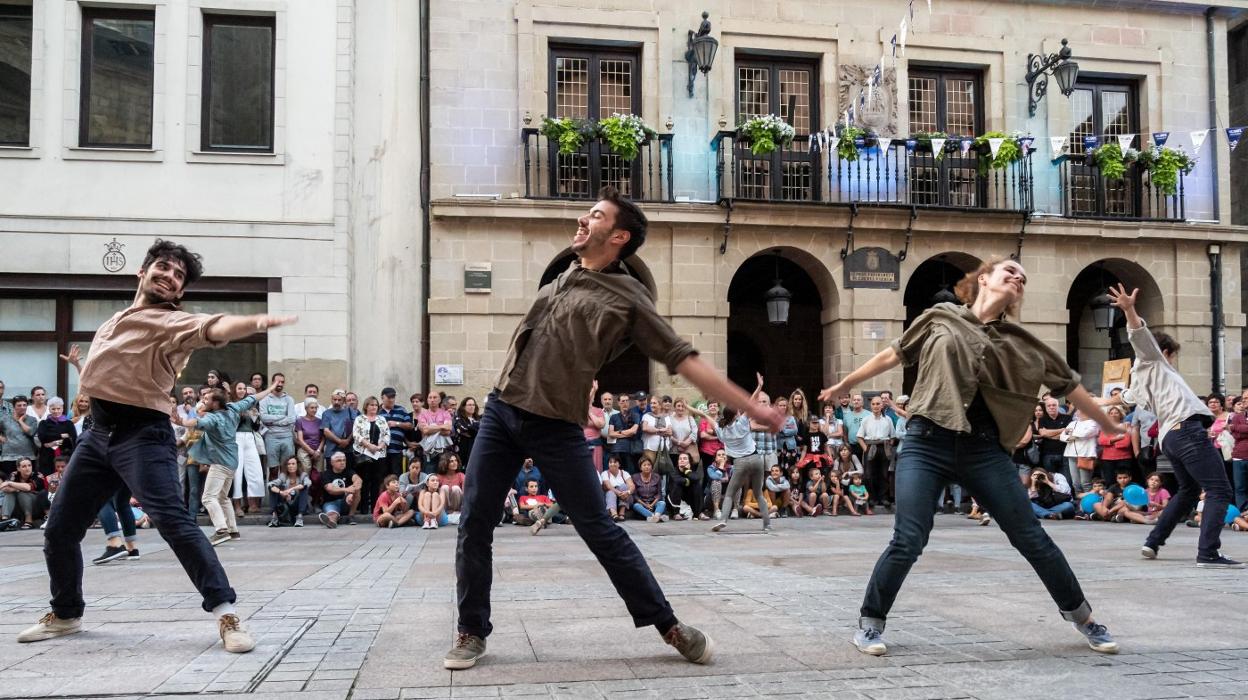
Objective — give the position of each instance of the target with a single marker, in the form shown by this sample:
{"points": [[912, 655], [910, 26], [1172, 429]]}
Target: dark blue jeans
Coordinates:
{"points": [[508, 435], [1197, 465], [932, 458], [144, 459]]}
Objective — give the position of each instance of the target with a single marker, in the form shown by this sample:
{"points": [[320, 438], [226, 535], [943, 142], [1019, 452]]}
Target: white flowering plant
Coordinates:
{"points": [[625, 133], [765, 134]]}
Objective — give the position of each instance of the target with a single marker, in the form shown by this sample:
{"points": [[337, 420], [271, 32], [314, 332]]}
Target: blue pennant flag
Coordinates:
{"points": [[1090, 142], [1160, 138], [1026, 142], [893, 41], [1233, 135], [911, 144]]}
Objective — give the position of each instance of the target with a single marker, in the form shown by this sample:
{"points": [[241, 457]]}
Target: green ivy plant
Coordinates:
{"points": [[570, 134], [1164, 165], [765, 134], [846, 148], [624, 133], [1110, 160], [1006, 154]]}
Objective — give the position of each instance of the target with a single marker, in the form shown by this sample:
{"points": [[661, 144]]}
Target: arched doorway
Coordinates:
{"points": [[789, 356], [931, 282], [630, 371], [1087, 349]]}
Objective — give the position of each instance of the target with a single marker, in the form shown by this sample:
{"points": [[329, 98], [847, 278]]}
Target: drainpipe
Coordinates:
{"points": [[1219, 327], [1211, 59], [425, 196]]}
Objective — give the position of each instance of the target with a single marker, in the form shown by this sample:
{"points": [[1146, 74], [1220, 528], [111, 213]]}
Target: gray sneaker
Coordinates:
{"points": [[870, 641], [1098, 637], [467, 651], [1148, 552], [691, 642]]}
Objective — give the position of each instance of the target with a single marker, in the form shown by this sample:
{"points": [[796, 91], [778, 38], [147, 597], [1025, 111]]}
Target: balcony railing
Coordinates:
{"points": [[1086, 193], [896, 177], [549, 174]]}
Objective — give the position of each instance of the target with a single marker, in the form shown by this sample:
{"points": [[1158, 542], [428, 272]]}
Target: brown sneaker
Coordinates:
{"points": [[236, 639], [690, 642], [50, 626], [466, 652]]}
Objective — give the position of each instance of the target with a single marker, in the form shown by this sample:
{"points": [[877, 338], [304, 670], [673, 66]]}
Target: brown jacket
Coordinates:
{"points": [[578, 323]]}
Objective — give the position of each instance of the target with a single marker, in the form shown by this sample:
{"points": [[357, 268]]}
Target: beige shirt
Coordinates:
{"points": [[1158, 386], [959, 357], [137, 354]]}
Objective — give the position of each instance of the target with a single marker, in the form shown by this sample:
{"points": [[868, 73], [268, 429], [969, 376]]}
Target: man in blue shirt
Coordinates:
{"points": [[400, 422], [336, 425], [854, 416], [217, 448]]}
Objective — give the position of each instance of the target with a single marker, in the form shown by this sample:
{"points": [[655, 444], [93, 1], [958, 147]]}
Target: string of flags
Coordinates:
{"points": [[1060, 144]]}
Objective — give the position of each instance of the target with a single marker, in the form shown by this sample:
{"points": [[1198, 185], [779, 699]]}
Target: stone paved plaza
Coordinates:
{"points": [[367, 614]]}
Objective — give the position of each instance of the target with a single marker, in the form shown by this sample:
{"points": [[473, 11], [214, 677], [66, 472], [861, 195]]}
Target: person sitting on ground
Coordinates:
{"points": [[141, 519], [718, 474], [617, 486], [796, 482], [859, 496], [752, 508], [1100, 509], [391, 509], [777, 490], [1158, 496], [21, 494], [431, 505], [410, 483], [838, 493], [847, 463], [815, 498], [534, 509], [451, 478], [1238, 523], [288, 494], [649, 496], [1047, 502], [342, 492], [1121, 511]]}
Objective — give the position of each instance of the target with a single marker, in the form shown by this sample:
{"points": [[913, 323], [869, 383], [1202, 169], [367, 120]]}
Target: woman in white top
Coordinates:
{"points": [[1080, 438], [655, 430], [618, 487], [371, 435]]}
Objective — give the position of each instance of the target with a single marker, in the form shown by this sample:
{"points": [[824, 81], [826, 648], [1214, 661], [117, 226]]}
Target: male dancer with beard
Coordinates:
{"points": [[135, 358], [578, 323]]}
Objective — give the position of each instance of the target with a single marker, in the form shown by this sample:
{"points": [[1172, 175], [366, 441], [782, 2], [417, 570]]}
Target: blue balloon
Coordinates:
{"points": [[1089, 500], [1231, 513], [1135, 495]]}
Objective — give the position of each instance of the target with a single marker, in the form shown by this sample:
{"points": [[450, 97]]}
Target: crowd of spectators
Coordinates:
{"points": [[375, 460]]}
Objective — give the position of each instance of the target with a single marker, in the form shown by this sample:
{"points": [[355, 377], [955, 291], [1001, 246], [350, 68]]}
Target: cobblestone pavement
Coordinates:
{"points": [[363, 613]]}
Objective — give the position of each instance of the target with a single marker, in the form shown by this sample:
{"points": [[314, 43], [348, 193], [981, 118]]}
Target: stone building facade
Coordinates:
{"points": [[723, 228]]}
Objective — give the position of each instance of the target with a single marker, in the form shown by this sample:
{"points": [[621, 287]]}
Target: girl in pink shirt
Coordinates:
{"points": [[1158, 497]]}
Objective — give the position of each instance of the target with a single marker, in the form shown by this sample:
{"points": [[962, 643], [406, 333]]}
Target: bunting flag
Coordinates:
{"points": [[901, 33], [1026, 142], [1198, 140], [1091, 142], [1160, 138], [884, 145], [911, 144], [1058, 144], [994, 145], [893, 41], [1124, 141], [1233, 135], [833, 142], [966, 146], [938, 147]]}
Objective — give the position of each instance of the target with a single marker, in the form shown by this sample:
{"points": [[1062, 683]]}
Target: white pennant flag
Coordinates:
{"points": [[994, 145], [1124, 141], [1198, 140], [1058, 144], [884, 145], [938, 147], [901, 35], [823, 140], [833, 142]]}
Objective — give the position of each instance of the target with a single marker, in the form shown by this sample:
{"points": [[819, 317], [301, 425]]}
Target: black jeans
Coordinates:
{"points": [[933, 457], [1197, 465], [371, 472], [144, 459], [508, 435]]}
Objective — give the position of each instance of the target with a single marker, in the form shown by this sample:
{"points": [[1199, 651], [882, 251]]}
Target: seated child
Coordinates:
{"points": [[859, 496]]}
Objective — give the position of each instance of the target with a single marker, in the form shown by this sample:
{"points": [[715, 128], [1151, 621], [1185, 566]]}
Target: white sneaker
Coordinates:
{"points": [[433, 524], [424, 525], [719, 515], [49, 627]]}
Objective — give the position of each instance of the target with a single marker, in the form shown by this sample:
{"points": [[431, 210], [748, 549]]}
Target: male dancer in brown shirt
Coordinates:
{"points": [[135, 358]]}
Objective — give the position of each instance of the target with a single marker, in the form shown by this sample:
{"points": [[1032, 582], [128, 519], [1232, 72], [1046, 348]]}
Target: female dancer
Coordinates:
{"points": [[978, 378]]}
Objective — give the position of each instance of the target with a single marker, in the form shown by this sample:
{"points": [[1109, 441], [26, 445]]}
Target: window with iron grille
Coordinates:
{"points": [[592, 83], [1105, 109], [15, 59], [790, 90], [949, 101]]}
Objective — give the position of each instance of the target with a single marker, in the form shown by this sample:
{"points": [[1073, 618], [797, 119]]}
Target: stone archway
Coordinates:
{"points": [[630, 371], [1087, 348], [791, 356], [938, 274]]}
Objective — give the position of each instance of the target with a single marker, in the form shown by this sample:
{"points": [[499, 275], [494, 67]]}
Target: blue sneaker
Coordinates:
{"points": [[869, 641], [1218, 562], [1098, 637]]}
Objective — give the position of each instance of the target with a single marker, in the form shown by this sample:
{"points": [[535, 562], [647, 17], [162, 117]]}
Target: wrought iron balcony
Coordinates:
{"points": [[549, 174], [897, 176], [1087, 194]]}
